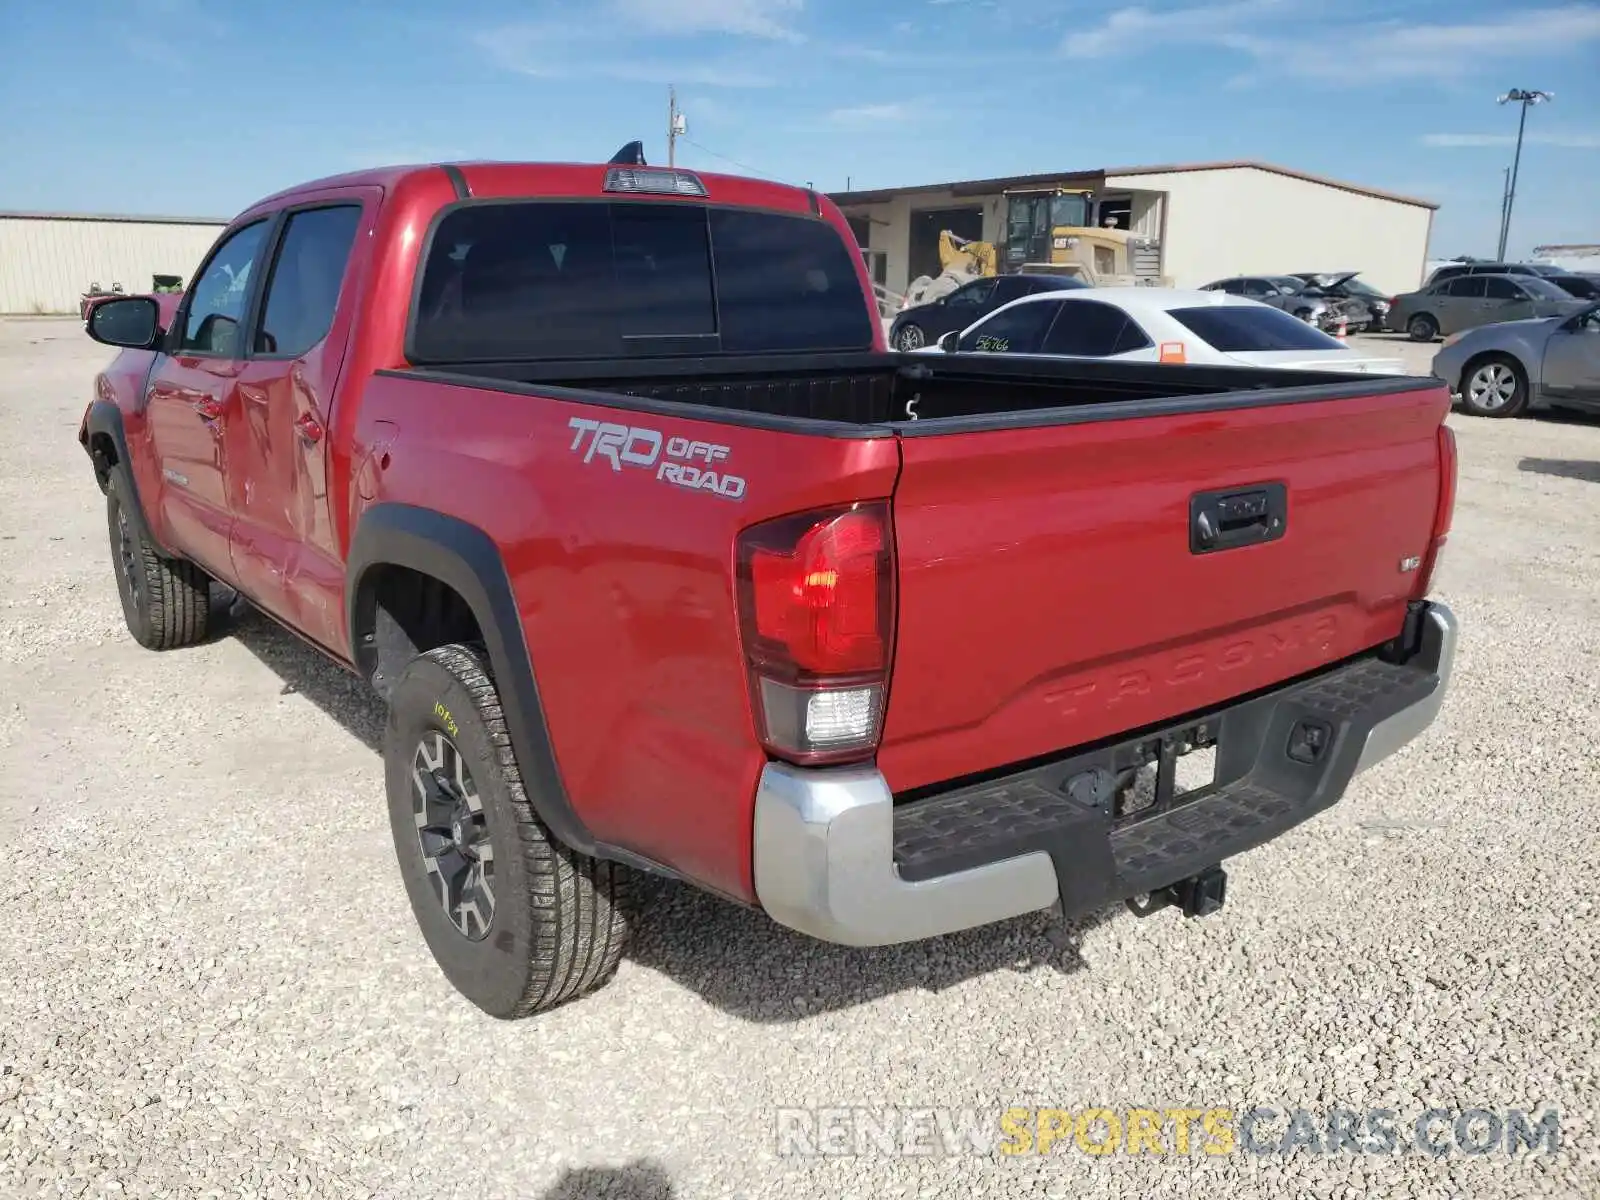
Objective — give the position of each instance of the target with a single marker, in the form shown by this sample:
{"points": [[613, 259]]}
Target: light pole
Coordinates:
{"points": [[1523, 97]]}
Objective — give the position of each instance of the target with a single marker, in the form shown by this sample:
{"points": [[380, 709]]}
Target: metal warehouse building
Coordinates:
{"points": [[1191, 223], [48, 260]]}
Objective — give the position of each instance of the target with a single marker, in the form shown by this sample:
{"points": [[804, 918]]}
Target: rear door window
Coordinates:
{"points": [[303, 289], [1466, 287], [1087, 328], [515, 281], [1239, 328]]}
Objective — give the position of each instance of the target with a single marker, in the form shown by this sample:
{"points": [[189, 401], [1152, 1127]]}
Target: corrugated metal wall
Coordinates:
{"points": [[47, 262]]}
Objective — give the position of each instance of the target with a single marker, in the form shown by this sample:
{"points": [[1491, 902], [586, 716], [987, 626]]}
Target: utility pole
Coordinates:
{"points": [[1525, 98], [1505, 192], [676, 126]]}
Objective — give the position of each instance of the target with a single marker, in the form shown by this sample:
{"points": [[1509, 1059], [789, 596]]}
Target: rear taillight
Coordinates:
{"points": [[1443, 514], [816, 616]]}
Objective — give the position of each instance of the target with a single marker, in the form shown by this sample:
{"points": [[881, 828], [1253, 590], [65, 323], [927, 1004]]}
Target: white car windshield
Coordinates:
{"points": [[1241, 328]]}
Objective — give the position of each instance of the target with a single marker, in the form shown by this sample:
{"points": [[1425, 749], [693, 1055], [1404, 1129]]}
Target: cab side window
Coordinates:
{"points": [[216, 307], [303, 290]]}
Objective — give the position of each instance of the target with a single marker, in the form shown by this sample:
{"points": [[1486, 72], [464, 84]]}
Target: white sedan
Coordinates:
{"points": [[1146, 324]]}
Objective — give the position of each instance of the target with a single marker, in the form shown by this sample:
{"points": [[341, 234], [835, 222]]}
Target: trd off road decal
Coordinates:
{"points": [[676, 460]]}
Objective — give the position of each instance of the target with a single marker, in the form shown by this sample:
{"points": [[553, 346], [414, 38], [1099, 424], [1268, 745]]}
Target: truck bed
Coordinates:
{"points": [[875, 389]]}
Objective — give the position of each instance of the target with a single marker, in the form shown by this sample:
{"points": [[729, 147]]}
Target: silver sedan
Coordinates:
{"points": [[1506, 369]]}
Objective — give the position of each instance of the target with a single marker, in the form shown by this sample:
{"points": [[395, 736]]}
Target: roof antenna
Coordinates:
{"points": [[631, 155]]}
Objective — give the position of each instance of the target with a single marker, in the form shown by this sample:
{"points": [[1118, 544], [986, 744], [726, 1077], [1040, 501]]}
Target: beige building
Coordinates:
{"points": [[48, 260], [1192, 223]]}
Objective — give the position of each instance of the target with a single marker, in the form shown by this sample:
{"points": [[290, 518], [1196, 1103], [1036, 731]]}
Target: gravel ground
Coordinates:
{"points": [[210, 982]]}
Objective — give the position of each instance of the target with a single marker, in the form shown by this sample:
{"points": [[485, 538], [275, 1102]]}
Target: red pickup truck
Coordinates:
{"points": [[603, 477]]}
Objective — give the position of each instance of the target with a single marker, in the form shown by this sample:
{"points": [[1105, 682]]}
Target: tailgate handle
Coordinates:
{"points": [[1237, 517]]}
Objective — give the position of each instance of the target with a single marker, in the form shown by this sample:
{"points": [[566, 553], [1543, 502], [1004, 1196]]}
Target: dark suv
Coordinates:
{"points": [[1573, 284], [921, 326]]}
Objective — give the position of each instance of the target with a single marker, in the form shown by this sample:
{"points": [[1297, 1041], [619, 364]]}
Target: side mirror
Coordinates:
{"points": [[130, 322], [950, 342]]}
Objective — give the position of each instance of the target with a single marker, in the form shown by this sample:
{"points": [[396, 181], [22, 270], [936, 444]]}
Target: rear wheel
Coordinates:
{"points": [[166, 602], [517, 922], [1422, 328], [1494, 386], [910, 337]]}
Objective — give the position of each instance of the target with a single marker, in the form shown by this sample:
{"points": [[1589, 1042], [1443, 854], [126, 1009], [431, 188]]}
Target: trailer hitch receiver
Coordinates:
{"points": [[1197, 896]]}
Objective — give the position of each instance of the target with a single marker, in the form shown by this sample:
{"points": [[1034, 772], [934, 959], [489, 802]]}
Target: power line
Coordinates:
{"points": [[746, 167]]}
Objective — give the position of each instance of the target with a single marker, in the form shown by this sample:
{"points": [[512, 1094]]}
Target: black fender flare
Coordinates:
{"points": [[104, 419], [466, 559]]}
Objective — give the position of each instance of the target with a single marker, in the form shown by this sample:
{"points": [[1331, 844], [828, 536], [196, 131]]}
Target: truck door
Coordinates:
{"points": [[285, 549], [191, 392]]}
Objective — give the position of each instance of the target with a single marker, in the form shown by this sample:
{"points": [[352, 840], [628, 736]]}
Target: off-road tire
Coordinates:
{"points": [[1422, 328], [1515, 405], [165, 601], [560, 919]]}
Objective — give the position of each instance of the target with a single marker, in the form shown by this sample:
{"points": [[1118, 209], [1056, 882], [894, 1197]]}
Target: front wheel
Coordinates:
{"points": [[166, 602], [910, 337], [1494, 387], [517, 922], [1422, 328]]}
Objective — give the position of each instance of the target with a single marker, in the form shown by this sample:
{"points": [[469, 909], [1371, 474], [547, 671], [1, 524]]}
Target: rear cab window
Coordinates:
{"points": [[1243, 328], [520, 280]]}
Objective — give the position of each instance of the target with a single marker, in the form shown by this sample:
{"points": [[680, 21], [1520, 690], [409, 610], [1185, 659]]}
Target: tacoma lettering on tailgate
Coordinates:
{"points": [[677, 460]]}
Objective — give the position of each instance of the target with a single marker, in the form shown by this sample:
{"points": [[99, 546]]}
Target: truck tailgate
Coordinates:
{"points": [[1053, 589]]}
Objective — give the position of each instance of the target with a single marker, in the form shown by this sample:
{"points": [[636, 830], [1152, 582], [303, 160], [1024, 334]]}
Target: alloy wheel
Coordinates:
{"points": [[1492, 387], [453, 835]]}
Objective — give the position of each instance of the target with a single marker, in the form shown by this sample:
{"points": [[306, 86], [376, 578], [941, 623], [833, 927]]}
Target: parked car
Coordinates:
{"points": [[1457, 269], [922, 325], [1514, 367], [1580, 287], [1280, 291], [603, 477], [1140, 324], [1365, 307], [1467, 301]]}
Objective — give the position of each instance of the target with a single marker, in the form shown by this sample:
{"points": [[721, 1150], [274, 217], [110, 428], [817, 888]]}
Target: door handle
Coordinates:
{"points": [[1246, 516], [211, 408]]}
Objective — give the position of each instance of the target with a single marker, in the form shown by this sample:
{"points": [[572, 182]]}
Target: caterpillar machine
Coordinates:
{"points": [[1047, 233]]}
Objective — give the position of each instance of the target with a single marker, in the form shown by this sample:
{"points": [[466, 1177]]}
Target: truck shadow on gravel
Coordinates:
{"points": [[735, 958], [749, 966], [642, 1180], [303, 670]]}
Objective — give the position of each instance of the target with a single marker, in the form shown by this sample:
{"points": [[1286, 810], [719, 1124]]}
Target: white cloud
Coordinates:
{"points": [[749, 18], [1571, 141], [870, 114], [1128, 29], [1327, 46], [558, 50]]}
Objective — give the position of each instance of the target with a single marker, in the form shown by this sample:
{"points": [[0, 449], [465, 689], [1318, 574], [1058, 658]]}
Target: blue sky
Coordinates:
{"points": [[197, 107]]}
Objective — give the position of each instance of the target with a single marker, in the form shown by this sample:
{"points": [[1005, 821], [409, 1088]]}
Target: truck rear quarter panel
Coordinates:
{"points": [[624, 583]]}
